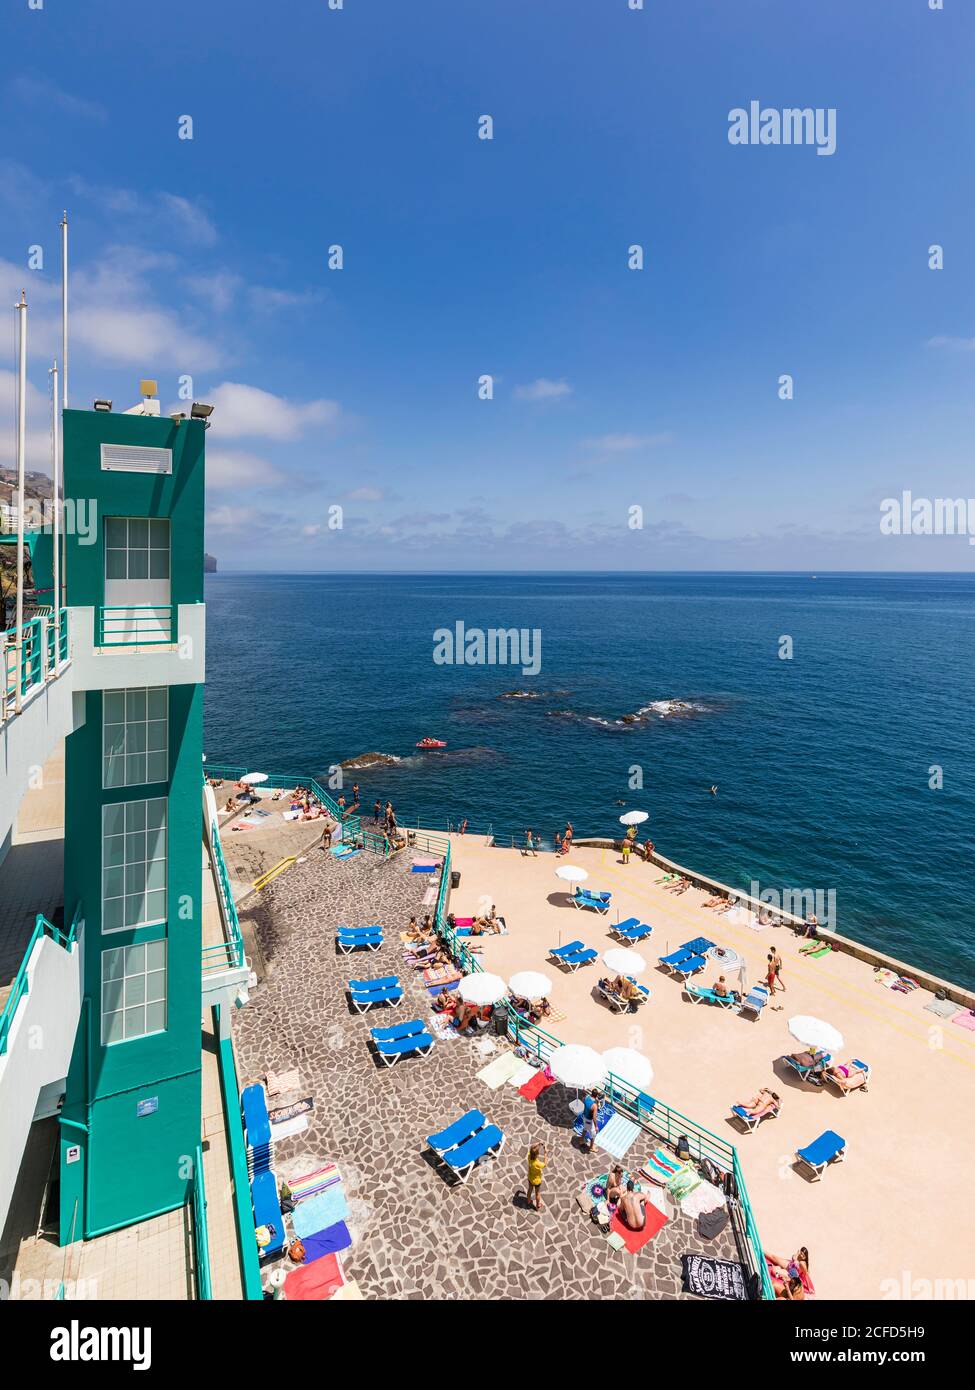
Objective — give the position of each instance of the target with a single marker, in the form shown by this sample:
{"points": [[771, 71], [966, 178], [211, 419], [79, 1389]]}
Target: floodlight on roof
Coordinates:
{"points": [[103, 405]]}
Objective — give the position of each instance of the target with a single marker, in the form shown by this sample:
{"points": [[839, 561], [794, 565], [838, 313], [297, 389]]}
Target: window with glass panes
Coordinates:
{"points": [[133, 992], [133, 864], [136, 547], [135, 736]]}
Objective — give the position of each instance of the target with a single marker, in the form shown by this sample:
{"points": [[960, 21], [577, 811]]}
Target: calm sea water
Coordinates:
{"points": [[821, 762]]}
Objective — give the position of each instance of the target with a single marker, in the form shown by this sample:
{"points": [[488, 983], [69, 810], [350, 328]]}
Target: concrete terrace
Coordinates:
{"points": [[876, 1217], [416, 1234]]}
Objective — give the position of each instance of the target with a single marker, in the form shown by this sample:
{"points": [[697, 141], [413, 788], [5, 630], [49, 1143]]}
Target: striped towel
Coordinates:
{"points": [[318, 1181], [441, 975], [617, 1136], [661, 1166]]}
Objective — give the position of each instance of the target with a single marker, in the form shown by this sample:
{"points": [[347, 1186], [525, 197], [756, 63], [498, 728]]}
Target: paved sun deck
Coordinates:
{"points": [[416, 1234], [898, 1207]]}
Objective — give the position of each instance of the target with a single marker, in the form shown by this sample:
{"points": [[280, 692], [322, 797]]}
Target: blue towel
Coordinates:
{"points": [[423, 869], [326, 1242], [324, 1209]]}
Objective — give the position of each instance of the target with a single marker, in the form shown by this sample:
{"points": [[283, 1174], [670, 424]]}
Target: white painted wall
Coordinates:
{"points": [[28, 739], [39, 1048], [107, 668]]}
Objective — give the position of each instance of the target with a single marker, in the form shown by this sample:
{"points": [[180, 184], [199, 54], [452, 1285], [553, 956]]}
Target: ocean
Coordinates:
{"points": [[847, 766]]}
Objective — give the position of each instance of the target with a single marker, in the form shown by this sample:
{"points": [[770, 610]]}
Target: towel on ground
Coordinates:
{"points": [[703, 1197], [522, 1076], [280, 1082], [661, 1166], [682, 1184], [617, 1136], [496, 1073], [318, 1280], [636, 1240], [327, 1242], [944, 1008], [288, 1128], [441, 975], [532, 1089], [439, 1025], [318, 1181], [318, 1212], [965, 1019]]}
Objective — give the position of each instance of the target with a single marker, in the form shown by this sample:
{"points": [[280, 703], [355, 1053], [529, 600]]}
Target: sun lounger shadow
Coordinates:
{"points": [[789, 1076]]}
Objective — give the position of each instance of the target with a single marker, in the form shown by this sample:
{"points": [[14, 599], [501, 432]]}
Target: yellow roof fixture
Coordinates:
{"points": [[147, 389]]}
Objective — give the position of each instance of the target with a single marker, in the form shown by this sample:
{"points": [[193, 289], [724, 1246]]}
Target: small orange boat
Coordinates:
{"points": [[431, 743]]}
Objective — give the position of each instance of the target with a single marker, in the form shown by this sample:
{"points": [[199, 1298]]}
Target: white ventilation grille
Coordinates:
{"points": [[134, 458]]}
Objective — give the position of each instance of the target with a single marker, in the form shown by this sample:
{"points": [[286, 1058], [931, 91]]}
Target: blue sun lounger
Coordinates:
{"points": [[394, 1043], [690, 965], [816, 1068], [573, 955], [457, 1133], [752, 1122], [462, 1159], [755, 1000], [698, 994], [675, 958], [365, 993], [599, 902], [267, 1211], [828, 1148], [623, 1006], [631, 931], [351, 939]]}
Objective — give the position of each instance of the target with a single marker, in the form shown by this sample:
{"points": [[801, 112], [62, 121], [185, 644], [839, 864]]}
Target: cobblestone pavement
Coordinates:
{"points": [[417, 1234]]}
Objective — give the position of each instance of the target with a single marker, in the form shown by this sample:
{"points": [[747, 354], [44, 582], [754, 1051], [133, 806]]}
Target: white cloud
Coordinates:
{"points": [[265, 300], [247, 410], [39, 92], [158, 214], [543, 390], [190, 219], [38, 440], [147, 338], [231, 519], [217, 291], [364, 494], [626, 443], [232, 468], [311, 530], [958, 344]]}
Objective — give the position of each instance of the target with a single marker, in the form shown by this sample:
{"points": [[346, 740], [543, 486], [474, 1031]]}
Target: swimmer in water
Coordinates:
{"points": [[714, 790]]}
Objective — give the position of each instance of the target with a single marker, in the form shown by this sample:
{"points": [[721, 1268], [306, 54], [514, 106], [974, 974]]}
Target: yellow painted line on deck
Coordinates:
{"points": [[742, 937], [279, 868]]}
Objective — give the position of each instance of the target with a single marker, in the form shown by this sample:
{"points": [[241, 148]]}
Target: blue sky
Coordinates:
{"points": [[612, 388]]}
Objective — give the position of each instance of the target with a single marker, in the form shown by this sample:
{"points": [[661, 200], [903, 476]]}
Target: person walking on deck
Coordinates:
{"points": [[627, 846], [530, 844]]}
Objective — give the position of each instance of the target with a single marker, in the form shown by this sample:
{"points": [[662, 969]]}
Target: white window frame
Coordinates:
{"points": [[134, 978], [123, 857], [156, 526], [135, 729]]}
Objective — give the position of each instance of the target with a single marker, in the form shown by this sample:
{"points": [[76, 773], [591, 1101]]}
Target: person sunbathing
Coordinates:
{"points": [[785, 1274], [465, 1015], [632, 1208], [766, 1102], [231, 805], [681, 886], [719, 901], [813, 944], [813, 1063], [614, 1185], [445, 1001], [846, 1076]]}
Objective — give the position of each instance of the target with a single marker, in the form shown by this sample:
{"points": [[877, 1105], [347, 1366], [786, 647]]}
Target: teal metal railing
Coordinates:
{"points": [[64, 644], [229, 954], [204, 1283], [21, 984], [135, 625]]}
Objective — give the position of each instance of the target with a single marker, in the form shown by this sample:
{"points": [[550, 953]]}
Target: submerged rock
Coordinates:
{"points": [[370, 760]]}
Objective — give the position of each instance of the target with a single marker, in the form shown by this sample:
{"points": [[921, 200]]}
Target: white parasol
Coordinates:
{"points": [[482, 988], [627, 1065], [572, 873], [530, 984], [815, 1033], [624, 962], [634, 817], [578, 1066], [252, 778]]}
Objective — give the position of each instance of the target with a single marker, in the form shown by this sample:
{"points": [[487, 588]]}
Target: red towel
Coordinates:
{"points": [[636, 1240], [319, 1280], [533, 1089]]}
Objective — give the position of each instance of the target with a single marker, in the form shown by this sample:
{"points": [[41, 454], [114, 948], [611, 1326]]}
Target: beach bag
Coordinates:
{"points": [[682, 1148], [296, 1252], [711, 1172]]}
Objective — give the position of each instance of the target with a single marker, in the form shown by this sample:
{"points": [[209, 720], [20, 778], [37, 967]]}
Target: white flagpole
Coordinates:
{"points": [[64, 310], [56, 474], [21, 451]]}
